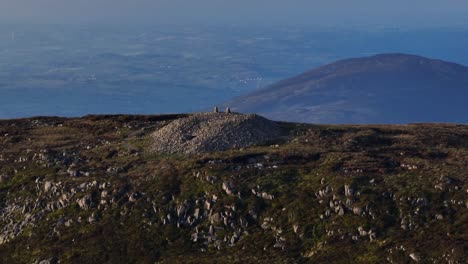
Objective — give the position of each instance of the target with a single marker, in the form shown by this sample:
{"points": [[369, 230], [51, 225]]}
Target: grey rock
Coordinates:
{"points": [[85, 202], [183, 209], [267, 196], [215, 218], [47, 186], [348, 190], [295, 228], [134, 197], [208, 205], [415, 257], [93, 218], [228, 188], [46, 261], [196, 213], [357, 210], [361, 231]]}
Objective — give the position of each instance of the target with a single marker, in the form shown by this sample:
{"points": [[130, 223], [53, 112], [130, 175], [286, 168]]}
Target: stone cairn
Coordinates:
{"points": [[227, 111], [205, 132]]}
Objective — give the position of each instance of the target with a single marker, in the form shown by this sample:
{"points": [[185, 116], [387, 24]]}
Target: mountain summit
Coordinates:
{"points": [[385, 88]]}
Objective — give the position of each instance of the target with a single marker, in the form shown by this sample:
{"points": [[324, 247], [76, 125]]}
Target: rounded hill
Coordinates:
{"points": [[385, 88]]}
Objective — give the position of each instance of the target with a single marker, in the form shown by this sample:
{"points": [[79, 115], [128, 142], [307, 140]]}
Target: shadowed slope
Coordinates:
{"points": [[386, 88]]}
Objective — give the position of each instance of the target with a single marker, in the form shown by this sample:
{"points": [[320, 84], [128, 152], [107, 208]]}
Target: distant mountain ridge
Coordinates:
{"points": [[385, 88]]}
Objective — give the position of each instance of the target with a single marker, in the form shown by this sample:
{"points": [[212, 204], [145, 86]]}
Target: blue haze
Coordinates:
{"points": [[63, 57]]}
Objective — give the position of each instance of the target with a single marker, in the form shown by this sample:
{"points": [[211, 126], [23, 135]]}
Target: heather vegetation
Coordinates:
{"points": [[92, 190]]}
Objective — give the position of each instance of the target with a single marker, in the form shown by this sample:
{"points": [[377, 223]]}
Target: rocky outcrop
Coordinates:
{"points": [[311, 199]]}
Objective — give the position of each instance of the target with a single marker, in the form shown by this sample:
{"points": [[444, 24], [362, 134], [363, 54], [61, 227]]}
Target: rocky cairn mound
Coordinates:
{"points": [[204, 132]]}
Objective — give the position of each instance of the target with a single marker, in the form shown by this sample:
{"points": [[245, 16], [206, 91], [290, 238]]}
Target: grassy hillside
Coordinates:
{"points": [[87, 190]]}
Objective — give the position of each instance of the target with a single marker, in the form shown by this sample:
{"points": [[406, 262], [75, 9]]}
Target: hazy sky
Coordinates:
{"points": [[331, 12]]}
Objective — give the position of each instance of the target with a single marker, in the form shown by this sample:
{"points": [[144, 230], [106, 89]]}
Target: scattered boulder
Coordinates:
{"points": [[92, 218], [48, 261], [85, 202], [228, 188], [183, 209], [47, 186], [134, 197], [415, 257], [349, 191]]}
